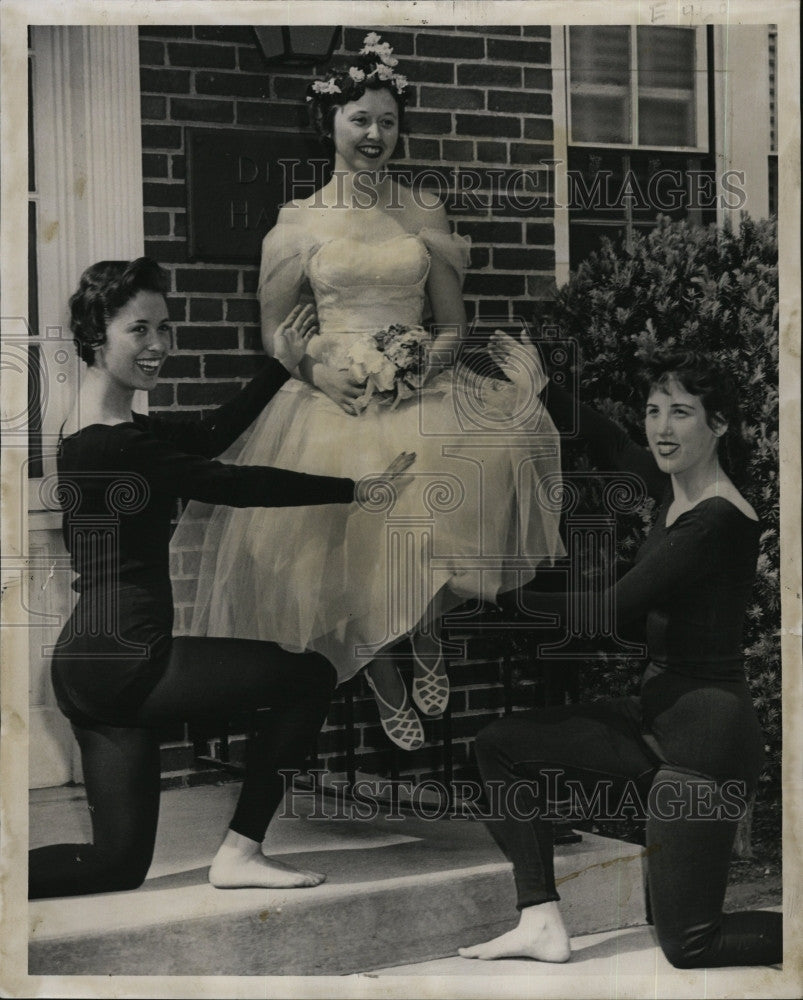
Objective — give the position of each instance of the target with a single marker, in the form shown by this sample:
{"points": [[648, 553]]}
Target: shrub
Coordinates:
{"points": [[717, 291]]}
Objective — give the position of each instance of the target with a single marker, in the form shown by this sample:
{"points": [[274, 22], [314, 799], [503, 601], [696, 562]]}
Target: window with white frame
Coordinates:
{"points": [[643, 87], [637, 107]]}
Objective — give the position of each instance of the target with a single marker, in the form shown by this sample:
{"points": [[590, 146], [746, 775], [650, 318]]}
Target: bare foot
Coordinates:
{"points": [[239, 864], [540, 935]]}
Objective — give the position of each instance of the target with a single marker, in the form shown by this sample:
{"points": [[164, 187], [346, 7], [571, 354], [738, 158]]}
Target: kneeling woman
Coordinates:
{"points": [[117, 672], [691, 739]]}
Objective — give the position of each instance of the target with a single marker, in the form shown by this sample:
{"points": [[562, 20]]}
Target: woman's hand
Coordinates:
{"points": [[340, 387], [519, 360], [372, 489], [293, 334]]}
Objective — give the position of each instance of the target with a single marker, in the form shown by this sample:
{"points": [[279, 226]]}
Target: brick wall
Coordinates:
{"points": [[482, 100]]}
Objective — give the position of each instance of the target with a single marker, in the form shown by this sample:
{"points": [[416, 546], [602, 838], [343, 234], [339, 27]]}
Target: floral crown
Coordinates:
{"points": [[375, 61]]}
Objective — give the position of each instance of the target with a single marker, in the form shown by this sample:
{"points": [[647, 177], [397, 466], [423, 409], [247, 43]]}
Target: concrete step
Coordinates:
{"points": [[400, 889]]}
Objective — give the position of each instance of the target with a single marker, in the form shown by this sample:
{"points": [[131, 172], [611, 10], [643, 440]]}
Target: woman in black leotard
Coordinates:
{"points": [[117, 672], [690, 744]]}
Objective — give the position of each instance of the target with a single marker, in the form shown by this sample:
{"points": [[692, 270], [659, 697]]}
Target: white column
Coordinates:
{"points": [[560, 126], [88, 158], [741, 120]]}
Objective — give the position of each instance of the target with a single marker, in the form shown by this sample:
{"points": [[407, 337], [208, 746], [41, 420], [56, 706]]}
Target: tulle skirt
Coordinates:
{"points": [[349, 581]]}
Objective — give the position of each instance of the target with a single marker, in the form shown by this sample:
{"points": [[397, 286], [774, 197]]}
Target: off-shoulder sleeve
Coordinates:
{"points": [[285, 252], [454, 250]]}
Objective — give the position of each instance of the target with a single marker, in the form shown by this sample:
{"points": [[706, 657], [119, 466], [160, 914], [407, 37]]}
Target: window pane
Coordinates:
{"points": [[666, 57], [666, 121], [601, 118], [600, 55]]}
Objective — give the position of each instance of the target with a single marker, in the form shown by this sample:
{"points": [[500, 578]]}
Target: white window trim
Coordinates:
{"points": [[701, 96]]}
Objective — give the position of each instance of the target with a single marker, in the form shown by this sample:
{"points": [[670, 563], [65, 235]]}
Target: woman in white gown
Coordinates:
{"points": [[469, 525]]}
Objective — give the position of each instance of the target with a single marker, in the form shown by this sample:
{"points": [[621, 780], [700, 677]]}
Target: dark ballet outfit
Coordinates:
{"points": [[117, 671], [689, 745]]}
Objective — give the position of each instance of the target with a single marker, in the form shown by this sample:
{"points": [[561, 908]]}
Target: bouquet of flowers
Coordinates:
{"points": [[391, 362]]}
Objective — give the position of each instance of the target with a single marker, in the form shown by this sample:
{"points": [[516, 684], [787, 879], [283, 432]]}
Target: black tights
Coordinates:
{"points": [[598, 746], [204, 678]]}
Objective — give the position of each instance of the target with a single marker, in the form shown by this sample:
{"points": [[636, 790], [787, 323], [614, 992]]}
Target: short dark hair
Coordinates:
{"points": [[104, 288], [323, 107], [707, 378]]}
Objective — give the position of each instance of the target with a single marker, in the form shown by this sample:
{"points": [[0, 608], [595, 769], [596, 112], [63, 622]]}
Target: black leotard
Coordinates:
{"points": [[118, 486]]}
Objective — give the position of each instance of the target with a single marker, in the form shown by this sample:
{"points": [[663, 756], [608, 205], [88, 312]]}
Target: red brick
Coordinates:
{"points": [[164, 81], [451, 97], [493, 232], [181, 366], [458, 150], [154, 165], [242, 311], [167, 251], [274, 115], [232, 85], [489, 125], [541, 233], [211, 280], [453, 47], [161, 137], [250, 60], [178, 167], [250, 278], [520, 101], [163, 395], [538, 79], [423, 149], [206, 309], [232, 365], [206, 338], [151, 53], [495, 284], [429, 122], [523, 259], [493, 310], [221, 33], [180, 225], [541, 287], [531, 154], [510, 50], [157, 223], [481, 75], [480, 258], [154, 108], [157, 195], [492, 152], [192, 110], [201, 394], [177, 308], [538, 128], [252, 338], [290, 88], [431, 71], [537, 31], [202, 56]]}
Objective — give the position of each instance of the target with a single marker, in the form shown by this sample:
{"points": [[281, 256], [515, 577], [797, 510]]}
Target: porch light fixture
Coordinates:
{"points": [[301, 45]]}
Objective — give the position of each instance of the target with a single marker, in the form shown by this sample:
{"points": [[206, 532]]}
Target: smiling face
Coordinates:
{"points": [[365, 132], [137, 342], [678, 432]]}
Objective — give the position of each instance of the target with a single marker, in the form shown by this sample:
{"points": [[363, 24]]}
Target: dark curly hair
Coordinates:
{"points": [[323, 107], [703, 376], [102, 292]]}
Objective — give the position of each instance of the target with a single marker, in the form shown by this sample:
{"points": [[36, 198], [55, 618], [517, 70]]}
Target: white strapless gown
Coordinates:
{"points": [[350, 582]]}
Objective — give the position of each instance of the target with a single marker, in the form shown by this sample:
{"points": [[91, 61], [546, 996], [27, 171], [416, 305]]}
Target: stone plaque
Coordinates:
{"points": [[237, 179]]}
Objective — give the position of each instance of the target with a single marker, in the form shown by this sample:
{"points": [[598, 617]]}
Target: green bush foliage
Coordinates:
{"points": [[716, 291]]}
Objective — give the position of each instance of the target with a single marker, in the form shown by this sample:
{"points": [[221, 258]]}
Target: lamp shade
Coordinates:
{"points": [[300, 45]]}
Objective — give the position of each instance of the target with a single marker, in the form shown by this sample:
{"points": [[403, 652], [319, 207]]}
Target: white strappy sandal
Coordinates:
{"points": [[402, 726], [431, 689]]}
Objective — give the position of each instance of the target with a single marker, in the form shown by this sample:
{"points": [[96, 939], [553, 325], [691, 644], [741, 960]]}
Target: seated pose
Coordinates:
{"points": [[690, 743], [117, 672], [374, 254]]}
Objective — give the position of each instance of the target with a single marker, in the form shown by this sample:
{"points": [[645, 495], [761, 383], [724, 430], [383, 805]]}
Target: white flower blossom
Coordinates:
{"points": [[326, 87], [401, 82], [370, 39], [357, 74], [384, 72]]}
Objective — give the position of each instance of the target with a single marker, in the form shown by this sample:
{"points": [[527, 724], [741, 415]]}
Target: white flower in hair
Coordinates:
{"points": [[383, 72], [400, 81], [370, 39], [357, 74], [326, 87], [383, 50]]}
